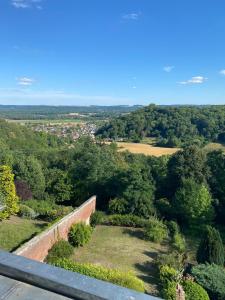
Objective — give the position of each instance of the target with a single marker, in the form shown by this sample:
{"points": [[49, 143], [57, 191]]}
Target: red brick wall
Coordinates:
{"points": [[37, 248]]}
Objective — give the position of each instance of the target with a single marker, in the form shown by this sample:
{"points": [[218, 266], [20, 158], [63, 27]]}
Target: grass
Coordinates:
{"points": [[146, 149], [214, 146], [16, 231], [122, 248]]}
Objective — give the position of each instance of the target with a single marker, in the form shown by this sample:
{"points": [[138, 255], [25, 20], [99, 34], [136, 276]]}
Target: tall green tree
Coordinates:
{"points": [[193, 203]]}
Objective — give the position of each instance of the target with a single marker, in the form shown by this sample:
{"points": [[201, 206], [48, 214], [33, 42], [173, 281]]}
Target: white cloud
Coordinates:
{"points": [[222, 72], [168, 69], [132, 16], [195, 80], [25, 81], [27, 4]]}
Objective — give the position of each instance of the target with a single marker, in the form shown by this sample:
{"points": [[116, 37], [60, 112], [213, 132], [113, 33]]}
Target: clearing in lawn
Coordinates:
{"points": [[16, 231], [122, 248], [146, 149]]}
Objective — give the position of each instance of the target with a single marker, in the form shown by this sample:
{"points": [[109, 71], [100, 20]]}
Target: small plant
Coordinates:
{"points": [[97, 218], [169, 291], [27, 212], [178, 242], [167, 274], [61, 249], [174, 260], [125, 220], [155, 231], [80, 234]]}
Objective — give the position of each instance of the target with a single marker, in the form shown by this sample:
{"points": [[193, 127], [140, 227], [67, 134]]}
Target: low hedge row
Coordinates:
{"points": [[125, 279], [125, 220]]}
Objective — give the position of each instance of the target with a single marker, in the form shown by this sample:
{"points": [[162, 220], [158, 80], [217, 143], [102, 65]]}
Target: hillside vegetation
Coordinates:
{"points": [[172, 126]]}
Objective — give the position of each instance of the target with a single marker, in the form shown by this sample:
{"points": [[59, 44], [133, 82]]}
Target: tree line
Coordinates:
{"points": [[172, 126]]}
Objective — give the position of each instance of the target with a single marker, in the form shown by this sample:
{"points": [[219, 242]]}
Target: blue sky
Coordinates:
{"points": [[82, 52]]}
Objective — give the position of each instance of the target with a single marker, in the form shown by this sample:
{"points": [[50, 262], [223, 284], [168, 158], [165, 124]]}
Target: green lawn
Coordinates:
{"points": [[16, 231], [122, 248]]}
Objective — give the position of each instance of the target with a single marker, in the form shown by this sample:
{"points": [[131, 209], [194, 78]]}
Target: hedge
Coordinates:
{"points": [[125, 279], [125, 220]]}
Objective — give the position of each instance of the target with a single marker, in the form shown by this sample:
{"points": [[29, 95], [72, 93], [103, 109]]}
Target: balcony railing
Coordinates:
{"points": [[62, 282]]}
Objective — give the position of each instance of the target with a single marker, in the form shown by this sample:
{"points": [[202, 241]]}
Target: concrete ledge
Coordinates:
{"points": [[62, 282]]}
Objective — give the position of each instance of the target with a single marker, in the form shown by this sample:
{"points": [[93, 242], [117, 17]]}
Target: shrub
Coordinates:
{"points": [[117, 206], [26, 212], [97, 218], [8, 193], [212, 279], [173, 228], [211, 248], [125, 279], [167, 274], [61, 249], [80, 234], [178, 242], [194, 291], [169, 291], [125, 220], [23, 189], [174, 260], [155, 230]]}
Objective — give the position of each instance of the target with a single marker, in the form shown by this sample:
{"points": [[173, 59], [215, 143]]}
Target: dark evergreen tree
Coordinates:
{"points": [[211, 249]]}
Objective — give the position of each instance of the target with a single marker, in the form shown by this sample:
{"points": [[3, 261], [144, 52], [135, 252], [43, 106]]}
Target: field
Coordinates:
{"points": [[16, 231], [146, 149], [122, 248]]}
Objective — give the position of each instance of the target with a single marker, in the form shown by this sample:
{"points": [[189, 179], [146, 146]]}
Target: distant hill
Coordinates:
{"points": [[171, 126], [35, 112]]}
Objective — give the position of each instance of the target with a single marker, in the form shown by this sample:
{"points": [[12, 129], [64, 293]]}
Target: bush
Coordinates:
{"points": [[61, 249], [178, 242], [194, 291], [125, 279], [212, 279], [117, 206], [125, 220], [169, 291], [174, 260], [80, 234], [173, 228], [26, 212], [48, 210], [97, 218], [167, 274], [155, 230], [211, 248]]}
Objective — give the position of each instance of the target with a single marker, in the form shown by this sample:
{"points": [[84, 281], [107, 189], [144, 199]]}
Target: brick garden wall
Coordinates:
{"points": [[37, 248]]}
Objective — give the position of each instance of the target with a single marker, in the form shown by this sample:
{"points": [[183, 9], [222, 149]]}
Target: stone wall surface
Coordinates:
{"points": [[37, 248]]}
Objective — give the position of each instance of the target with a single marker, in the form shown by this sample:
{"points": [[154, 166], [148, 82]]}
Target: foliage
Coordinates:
{"points": [[178, 242], [169, 291], [193, 203], [48, 210], [80, 234], [61, 249], [172, 126], [125, 220], [173, 260], [26, 212], [118, 206], [212, 279], [8, 193], [125, 279], [167, 274], [155, 230], [211, 248], [194, 291], [97, 218], [23, 190]]}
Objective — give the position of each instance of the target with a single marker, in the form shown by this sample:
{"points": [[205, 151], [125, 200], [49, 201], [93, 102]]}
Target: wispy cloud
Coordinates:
{"points": [[195, 80], [57, 97], [132, 16], [27, 4], [168, 69], [25, 81], [222, 72]]}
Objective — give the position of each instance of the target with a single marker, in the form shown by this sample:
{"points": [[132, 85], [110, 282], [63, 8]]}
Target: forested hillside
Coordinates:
{"points": [[172, 126]]}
